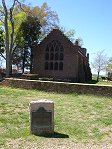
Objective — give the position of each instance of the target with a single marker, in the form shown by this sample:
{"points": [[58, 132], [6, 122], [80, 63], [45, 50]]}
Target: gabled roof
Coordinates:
{"points": [[57, 32]]}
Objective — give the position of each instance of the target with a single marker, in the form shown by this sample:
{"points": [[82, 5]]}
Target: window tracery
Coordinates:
{"points": [[54, 56]]}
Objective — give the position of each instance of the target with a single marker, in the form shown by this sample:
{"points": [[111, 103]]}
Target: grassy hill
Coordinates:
{"points": [[80, 120]]}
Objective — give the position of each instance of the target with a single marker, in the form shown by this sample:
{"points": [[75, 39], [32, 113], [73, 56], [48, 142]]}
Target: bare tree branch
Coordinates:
{"points": [[21, 7], [3, 56], [1, 12], [100, 62], [2, 21]]}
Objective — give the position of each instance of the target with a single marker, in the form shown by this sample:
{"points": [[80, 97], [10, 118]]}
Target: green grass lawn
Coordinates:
{"points": [[80, 120]]}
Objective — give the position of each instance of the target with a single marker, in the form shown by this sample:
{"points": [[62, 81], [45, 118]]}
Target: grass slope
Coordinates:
{"points": [[80, 120]]}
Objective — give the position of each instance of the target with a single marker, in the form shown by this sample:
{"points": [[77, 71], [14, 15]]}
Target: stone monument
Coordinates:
{"points": [[42, 117]]}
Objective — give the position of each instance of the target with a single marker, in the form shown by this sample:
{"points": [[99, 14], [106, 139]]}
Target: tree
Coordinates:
{"points": [[99, 62], [17, 58], [109, 65], [29, 32], [47, 18], [70, 34], [2, 47], [79, 41], [2, 44], [9, 35], [9, 19], [37, 23]]}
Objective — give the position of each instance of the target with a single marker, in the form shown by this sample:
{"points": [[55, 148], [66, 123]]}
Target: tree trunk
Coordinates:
{"points": [[98, 76], [6, 39], [23, 60], [31, 60], [11, 35]]}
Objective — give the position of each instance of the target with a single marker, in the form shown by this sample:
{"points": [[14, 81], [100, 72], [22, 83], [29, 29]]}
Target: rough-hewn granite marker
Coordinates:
{"points": [[42, 117]]}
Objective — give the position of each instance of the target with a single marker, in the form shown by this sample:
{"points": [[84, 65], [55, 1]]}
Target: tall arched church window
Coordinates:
{"points": [[51, 56], [56, 66], [52, 48], [61, 48], [46, 65], [61, 66], [47, 56], [61, 56], [51, 65], [54, 56], [57, 48]]}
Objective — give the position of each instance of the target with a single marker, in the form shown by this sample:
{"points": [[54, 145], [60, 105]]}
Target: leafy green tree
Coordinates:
{"points": [[36, 25], [29, 31], [11, 18], [7, 21], [48, 19]]}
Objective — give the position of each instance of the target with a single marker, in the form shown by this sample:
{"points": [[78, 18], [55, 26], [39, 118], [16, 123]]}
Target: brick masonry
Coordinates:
{"points": [[75, 59], [59, 86]]}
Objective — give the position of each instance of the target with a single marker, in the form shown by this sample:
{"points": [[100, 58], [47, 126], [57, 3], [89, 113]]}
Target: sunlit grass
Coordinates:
{"points": [[84, 118]]}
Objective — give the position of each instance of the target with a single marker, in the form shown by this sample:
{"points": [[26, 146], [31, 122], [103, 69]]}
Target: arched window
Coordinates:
{"points": [[61, 56], [57, 48], [51, 65], [52, 49], [61, 66], [47, 56], [61, 48], [56, 66], [54, 56], [46, 65]]}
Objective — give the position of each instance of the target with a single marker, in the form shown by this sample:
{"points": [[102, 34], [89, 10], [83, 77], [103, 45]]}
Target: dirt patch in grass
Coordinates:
{"points": [[53, 144]]}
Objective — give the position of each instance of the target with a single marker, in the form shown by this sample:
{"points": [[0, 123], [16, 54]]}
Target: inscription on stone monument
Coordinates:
{"points": [[41, 118]]}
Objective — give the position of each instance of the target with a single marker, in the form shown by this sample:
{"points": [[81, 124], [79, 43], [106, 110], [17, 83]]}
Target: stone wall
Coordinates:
{"points": [[59, 86]]}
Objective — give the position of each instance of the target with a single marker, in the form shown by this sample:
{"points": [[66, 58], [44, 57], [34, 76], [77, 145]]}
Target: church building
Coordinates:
{"points": [[58, 58]]}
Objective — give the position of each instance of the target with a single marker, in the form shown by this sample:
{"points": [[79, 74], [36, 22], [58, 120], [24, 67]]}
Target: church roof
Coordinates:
{"points": [[57, 32]]}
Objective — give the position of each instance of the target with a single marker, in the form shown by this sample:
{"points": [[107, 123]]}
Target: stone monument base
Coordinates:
{"points": [[42, 117]]}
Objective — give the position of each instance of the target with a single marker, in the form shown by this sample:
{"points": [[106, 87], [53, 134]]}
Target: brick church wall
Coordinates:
{"points": [[70, 62], [73, 62]]}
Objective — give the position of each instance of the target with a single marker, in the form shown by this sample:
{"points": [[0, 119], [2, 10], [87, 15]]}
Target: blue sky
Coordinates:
{"points": [[91, 19]]}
